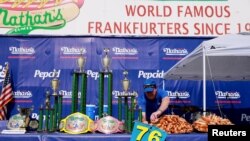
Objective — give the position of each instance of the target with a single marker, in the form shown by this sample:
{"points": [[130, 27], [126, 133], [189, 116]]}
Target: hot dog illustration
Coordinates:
{"points": [[24, 16], [29, 5], [43, 18]]}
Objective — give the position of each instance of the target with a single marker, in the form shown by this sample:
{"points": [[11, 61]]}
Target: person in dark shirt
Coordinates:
{"points": [[153, 102]]}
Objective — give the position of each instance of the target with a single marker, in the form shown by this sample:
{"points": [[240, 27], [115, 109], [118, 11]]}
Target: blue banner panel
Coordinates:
{"points": [[35, 61]]}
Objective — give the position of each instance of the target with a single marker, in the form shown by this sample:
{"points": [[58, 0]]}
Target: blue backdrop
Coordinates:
{"points": [[33, 61]]}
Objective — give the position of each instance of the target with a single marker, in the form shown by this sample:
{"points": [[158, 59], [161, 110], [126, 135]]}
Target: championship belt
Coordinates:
{"points": [[109, 125], [33, 124], [76, 123], [16, 122]]}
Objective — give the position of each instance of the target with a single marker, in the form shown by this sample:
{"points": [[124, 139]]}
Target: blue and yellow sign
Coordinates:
{"points": [[145, 132]]}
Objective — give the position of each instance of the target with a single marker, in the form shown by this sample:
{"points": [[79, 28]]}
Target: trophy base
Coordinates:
{"points": [[79, 71], [106, 71], [54, 94]]}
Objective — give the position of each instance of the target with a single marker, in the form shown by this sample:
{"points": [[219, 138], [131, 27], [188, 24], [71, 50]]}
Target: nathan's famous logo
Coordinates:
{"points": [[24, 16], [22, 94], [124, 51], [178, 94], [73, 50], [227, 95], [175, 51], [68, 94]]}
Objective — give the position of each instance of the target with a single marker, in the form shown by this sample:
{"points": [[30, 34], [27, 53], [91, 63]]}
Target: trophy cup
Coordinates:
{"points": [[125, 82], [77, 74], [106, 60], [21, 120], [55, 84], [25, 113], [81, 61], [57, 103], [126, 96]]}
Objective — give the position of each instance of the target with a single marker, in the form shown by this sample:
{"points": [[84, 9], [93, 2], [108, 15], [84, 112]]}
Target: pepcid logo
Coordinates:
{"points": [[227, 95], [175, 51], [147, 75], [178, 94], [124, 51], [26, 16], [22, 50], [93, 74], [73, 51], [245, 117], [44, 74], [22, 94]]}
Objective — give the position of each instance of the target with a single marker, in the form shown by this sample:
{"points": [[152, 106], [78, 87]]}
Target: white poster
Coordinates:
{"points": [[156, 18]]}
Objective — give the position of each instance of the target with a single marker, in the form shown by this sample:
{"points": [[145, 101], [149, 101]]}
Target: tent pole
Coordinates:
{"points": [[204, 80]]}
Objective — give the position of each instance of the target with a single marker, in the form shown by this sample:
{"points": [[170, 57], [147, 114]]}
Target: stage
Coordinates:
{"points": [[94, 137], [58, 136]]}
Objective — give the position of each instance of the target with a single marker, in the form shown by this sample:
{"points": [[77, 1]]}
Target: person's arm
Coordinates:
{"points": [[163, 107], [144, 120], [164, 104]]}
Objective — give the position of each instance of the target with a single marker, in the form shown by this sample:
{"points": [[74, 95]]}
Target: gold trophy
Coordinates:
{"points": [[55, 84], [25, 113], [81, 61], [106, 60], [125, 82], [57, 105]]}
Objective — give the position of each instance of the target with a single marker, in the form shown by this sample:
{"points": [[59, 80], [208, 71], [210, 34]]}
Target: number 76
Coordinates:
{"points": [[153, 135]]}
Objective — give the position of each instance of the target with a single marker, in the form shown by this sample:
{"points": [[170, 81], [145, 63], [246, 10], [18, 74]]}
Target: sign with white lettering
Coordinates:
{"points": [[125, 18], [146, 132], [228, 132]]}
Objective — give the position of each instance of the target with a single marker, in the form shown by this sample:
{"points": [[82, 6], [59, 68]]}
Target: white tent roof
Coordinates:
{"points": [[227, 58]]}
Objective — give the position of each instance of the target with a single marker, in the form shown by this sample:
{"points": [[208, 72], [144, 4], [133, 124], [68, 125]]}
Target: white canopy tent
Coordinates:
{"points": [[225, 58]]}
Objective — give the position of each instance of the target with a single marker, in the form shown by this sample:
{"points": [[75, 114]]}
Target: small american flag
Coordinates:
{"points": [[6, 94]]}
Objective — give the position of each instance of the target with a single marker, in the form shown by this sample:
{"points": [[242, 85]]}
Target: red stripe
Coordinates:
{"points": [[68, 57], [124, 57], [172, 58], [3, 112], [6, 88], [6, 95], [22, 101], [6, 101], [6, 98], [21, 57]]}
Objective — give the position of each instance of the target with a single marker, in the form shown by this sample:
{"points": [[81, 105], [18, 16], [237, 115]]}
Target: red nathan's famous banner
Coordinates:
{"points": [[6, 94]]}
